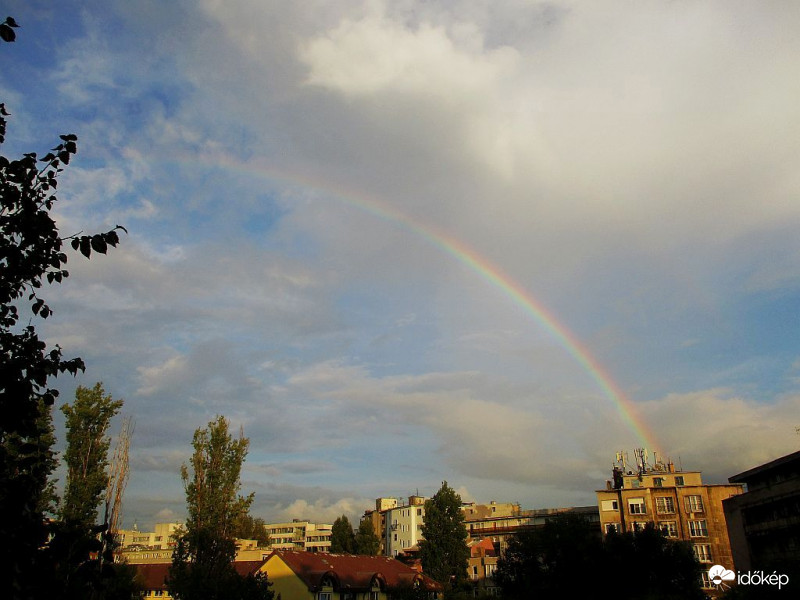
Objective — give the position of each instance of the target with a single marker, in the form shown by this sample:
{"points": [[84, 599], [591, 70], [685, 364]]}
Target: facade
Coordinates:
{"points": [[320, 576], [160, 539], [764, 522], [482, 564], [676, 502], [378, 518], [403, 529], [499, 528], [300, 535]]}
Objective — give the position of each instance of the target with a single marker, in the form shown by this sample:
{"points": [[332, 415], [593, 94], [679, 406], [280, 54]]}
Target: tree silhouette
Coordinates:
{"points": [[568, 557], [367, 542], [343, 540], [31, 255], [444, 551]]}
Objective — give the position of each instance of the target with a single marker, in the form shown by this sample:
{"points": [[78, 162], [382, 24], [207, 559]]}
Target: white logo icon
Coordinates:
{"points": [[717, 574]]}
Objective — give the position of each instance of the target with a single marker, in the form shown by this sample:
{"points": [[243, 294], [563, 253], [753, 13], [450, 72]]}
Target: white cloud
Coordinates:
{"points": [[324, 510]]}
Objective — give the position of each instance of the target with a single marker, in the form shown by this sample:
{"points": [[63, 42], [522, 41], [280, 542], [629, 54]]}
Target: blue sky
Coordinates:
{"points": [[632, 168]]}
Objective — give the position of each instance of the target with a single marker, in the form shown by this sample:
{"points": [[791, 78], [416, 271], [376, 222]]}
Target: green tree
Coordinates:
{"points": [[202, 563], [343, 540], [366, 541], [444, 551], [31, 254], [86, 456], [81, 551], [568, 557], [565, 553], [248, 528]]}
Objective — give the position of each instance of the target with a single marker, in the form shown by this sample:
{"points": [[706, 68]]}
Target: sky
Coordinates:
{"points": [[400, 243]]}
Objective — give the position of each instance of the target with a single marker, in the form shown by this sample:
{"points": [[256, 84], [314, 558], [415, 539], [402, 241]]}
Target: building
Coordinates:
{"points": [[481, 565], [403, 526], [499, 528], [160, 539], [764, 522], [378, 518], [676, 502], [300, 535], [320, 576]]}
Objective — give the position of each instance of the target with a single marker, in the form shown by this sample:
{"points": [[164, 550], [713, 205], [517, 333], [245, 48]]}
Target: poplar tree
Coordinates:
{"points": [[444, 551], [202, 562], [86, 456]]}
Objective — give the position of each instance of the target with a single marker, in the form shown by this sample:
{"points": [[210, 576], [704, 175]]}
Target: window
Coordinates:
{"points": [[419, 512], [658, 482], [679, 480], [609, 505], [474, 571], [694, 504], [612, 527], [665, 505], [669, 528], [489, 570], [705, 580], [698, 528], [636, 506], [638, 525], [703, 552]]}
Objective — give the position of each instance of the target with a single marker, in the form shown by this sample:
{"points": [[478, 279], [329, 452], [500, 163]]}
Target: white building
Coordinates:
{"points": [[404, 526]]}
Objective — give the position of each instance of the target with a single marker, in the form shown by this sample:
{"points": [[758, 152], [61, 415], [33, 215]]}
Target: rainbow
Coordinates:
{"points": [[480, 265]]}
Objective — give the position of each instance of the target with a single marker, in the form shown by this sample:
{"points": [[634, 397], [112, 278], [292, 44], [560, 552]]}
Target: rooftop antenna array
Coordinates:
{"points": [[641, 459], [622, 460]]}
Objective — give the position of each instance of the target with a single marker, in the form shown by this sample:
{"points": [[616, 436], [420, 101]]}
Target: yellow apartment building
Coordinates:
{"points": [[676, 502]]}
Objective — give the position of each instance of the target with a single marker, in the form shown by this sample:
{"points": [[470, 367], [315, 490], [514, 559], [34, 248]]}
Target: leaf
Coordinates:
{"points": [[7, 33], [99, 244], [75, 243], [86, 246]]}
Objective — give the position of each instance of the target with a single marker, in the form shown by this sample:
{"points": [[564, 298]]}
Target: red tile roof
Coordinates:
{"points": [[154, 575], [352, 572]]}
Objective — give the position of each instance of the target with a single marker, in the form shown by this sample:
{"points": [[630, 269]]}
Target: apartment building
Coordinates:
{"points": [[764, 522], [403, 526], [498, 529], [300, 535], [676, 502], [481, 566], [159, 539]]}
